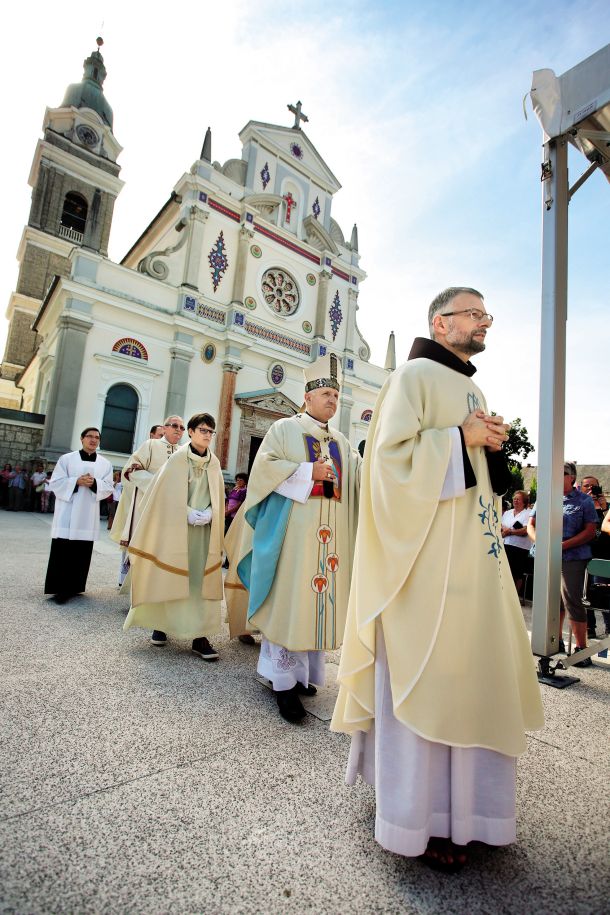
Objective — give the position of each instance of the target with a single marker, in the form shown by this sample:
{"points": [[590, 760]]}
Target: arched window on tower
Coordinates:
{"points": [[120, 415], [73, 217]]}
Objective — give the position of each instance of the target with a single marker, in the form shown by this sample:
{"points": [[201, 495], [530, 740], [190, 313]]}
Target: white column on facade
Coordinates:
{"points": [[194, 248], [239, 280], [175, 399], [345, 411], [322, 303], [65, 383]]}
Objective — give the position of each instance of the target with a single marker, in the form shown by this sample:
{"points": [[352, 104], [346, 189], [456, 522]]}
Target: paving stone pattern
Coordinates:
{"points": [[143, 780]]}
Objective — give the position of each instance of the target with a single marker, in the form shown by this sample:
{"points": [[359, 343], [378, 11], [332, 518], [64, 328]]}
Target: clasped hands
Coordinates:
{"points": [[484, 431], [85, 479], [198, 518]]}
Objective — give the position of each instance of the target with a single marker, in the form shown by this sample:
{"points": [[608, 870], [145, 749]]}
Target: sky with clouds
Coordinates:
{"points": [[416, 108]]}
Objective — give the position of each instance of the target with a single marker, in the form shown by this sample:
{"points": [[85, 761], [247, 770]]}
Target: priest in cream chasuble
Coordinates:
{"points": [[137, 476], [437, 679], [175, 551], [292, 545]]}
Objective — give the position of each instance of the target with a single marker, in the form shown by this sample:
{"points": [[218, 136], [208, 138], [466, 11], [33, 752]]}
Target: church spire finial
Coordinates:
{"points": [[354, 239], [206, 149], [390, 359], [99, 41]]}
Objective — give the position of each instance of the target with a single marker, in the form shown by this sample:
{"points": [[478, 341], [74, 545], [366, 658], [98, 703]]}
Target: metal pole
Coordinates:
{"points": [[551, 430]]}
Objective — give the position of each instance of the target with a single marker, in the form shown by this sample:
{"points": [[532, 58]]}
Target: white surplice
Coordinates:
{"points": [[77, 514], [423, 788]]}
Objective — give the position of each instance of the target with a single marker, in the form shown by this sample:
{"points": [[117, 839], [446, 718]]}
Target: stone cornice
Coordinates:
{"points": [[318, 237], [44, 240], [71, 165], [118, 360]]}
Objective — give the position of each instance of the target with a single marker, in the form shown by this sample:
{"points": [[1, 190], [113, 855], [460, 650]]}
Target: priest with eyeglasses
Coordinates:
{"points": [[136, 477], [176, 549], [80, 481], [437, 681], [292, 548]]}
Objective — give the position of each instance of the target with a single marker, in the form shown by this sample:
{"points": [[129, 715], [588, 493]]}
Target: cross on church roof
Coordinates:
{"points": [[296, 110]]}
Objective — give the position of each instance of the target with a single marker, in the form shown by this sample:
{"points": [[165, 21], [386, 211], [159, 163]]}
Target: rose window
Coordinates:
{"points": [[280, 291]]}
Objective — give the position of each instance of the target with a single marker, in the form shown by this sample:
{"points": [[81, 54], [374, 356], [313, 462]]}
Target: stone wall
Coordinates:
{"points": [[20, 436], [37, 270], [22, 342]]}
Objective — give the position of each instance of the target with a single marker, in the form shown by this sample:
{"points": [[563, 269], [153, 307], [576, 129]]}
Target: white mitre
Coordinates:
{"points": [[325, 372]]}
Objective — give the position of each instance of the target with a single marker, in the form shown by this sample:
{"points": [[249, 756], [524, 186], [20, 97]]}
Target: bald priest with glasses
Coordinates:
{"points": [[437, 679], [175, 551], [138, 473]]}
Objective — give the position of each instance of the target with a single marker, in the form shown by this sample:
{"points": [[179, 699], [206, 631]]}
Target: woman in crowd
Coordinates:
{"points": [[516, 541]]}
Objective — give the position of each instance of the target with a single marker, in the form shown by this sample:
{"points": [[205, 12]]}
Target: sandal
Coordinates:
{"points": [[443, 855]]}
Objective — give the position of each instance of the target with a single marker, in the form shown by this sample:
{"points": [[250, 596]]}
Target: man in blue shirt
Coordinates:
{"points": [[579, 520]]}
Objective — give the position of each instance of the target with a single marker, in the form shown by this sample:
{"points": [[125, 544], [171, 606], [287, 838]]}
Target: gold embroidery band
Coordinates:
{"points": [[157, 562], [212, 569], [236, 587]]}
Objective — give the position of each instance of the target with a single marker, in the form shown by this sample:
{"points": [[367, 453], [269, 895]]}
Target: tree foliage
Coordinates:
{"points": [[518, 446]]}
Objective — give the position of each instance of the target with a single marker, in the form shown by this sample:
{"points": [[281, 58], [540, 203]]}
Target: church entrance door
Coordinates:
{"points": [[259, 410], [255, 443]]}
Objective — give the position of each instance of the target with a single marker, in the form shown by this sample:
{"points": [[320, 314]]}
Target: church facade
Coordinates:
{"points": [[241, 279]]}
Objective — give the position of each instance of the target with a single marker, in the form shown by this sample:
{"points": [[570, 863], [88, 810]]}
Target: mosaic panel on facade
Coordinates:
{"points": [[272, 336]]}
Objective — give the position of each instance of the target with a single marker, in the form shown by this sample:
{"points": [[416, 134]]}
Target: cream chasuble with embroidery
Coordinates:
{"points": [[435, 573], [305, 607], [176, 567]]}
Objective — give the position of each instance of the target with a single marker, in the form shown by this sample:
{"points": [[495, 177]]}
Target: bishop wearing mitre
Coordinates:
{"points": [[292, 547]]}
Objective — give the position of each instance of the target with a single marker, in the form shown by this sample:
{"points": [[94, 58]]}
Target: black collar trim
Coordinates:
{"points": [[429, 349], [87, 457]]}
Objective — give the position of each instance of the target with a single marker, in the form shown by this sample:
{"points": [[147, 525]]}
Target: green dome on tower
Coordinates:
{"points": [[89, 93]]}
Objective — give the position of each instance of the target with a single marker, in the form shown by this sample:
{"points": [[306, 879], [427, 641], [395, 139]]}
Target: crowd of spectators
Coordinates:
{"points": [[24, 487], [585, 535]]}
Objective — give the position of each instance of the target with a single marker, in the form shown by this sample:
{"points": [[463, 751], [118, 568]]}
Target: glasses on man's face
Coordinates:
{"points": [[587, 485], [96, 437], [477, 316], [204, 431], [176, 426]]}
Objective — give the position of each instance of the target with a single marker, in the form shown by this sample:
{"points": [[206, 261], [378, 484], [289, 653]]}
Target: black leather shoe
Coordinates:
{"points": [[158, 638], [303, 690], [62, 598], [202, 647], [586, 662], [290, 706]]}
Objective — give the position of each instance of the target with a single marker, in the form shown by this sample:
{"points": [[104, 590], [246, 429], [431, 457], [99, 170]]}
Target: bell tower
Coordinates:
{"points": [[74, 180]]}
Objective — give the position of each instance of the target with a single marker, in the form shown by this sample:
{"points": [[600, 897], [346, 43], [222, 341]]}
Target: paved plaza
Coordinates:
{"points": [[143, 780]]}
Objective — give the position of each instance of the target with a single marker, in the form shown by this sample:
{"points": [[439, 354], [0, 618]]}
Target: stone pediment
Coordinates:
{"points": [[295, 147], [264, 203], [270, 402], [318, 237]]}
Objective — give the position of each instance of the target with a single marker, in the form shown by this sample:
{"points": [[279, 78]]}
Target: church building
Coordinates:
{"points": [[242, 278]]}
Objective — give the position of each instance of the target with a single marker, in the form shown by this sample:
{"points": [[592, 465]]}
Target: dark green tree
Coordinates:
{"points": [[518, 446]]}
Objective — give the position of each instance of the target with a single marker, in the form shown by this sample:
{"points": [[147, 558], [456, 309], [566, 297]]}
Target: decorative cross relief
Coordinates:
{"points": [[298, 116], [290, 203]]}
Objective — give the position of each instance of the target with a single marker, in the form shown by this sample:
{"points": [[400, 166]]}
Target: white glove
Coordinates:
{"points": [[198, 518], [205, 517]]}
